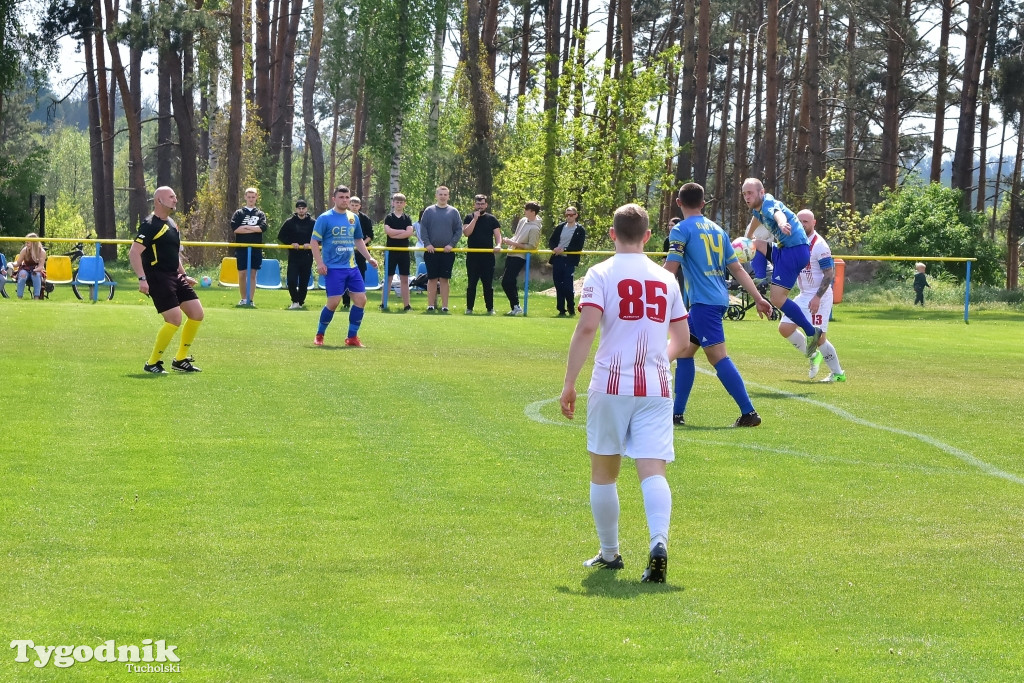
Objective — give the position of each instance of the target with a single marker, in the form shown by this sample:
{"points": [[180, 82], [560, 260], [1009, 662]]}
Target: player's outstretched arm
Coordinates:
{"points": [[361, 248], [678, 338], [314, 246], [751, 227], [763, 307], [579, 349]]}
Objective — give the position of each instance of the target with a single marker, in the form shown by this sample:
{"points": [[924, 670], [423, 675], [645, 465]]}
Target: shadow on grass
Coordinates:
{"points": [[769, 396], [606, 584]]}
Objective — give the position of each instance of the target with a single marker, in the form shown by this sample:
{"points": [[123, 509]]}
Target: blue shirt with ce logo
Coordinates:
{"points": [[337, 234]]}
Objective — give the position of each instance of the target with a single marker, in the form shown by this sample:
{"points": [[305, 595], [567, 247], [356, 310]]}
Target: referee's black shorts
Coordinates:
{"points": [[169, 290]]}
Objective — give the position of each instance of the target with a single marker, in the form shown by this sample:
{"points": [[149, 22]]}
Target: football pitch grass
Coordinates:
{"points": [[419, 509]]}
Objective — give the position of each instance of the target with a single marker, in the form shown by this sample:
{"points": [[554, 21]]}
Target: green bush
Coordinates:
{"points": [[926, 220]]}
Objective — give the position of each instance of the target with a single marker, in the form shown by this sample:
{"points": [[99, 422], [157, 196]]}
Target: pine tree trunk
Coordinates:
{"points": [[771, 97], [316, 148], [849, 167], [941, 92], [233, 150], [701, 124], [687, 96]]}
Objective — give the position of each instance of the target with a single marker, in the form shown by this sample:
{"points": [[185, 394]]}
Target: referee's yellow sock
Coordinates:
{"points": [[188, 333], [163, 338]]}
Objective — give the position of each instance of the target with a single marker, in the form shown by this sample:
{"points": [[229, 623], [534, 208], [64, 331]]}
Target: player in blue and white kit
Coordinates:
{"points": [[704, 251], [815, 300], [337, 230], [790, 256]]}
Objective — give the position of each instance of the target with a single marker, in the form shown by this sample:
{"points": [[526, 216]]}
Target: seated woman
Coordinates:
{"points": [[31, 262]]}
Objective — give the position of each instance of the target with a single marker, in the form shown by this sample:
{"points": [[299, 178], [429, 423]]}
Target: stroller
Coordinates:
{"points": [[741, 301]]}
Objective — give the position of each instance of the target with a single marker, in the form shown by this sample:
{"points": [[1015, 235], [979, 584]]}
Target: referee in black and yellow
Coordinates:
{"points": [[156, 258]]}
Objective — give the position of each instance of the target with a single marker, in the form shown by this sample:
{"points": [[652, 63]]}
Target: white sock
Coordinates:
{"points": [[658, 505], [799, 340], [831, 358], [604, 503]]}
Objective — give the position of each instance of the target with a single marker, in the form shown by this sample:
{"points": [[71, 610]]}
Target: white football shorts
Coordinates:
{"points": [[763, 233], [633, 426], [819, 319]]}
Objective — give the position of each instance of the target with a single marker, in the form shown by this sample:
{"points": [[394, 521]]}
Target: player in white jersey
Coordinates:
{"points": [[639, 310], [815, 300]]}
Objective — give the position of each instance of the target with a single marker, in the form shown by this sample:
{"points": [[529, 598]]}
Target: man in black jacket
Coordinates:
{"points": [[297, 232], [567, 237]]}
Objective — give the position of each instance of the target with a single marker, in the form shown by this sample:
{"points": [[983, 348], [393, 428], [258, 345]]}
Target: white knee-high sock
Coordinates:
{"points": [[604, 503], [831, 358], [658, 505], [799, 340]]}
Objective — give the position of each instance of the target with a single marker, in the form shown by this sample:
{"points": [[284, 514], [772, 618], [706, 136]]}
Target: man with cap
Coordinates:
{"points": [[297, 231]]}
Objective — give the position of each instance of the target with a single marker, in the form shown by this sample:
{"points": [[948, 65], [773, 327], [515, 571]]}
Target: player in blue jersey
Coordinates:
{"points": [[704, 252], [789, 257], [336, 239]]}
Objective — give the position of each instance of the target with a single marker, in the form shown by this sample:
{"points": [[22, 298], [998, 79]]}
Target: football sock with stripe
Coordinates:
{"points": [[730, 378], [188, 335], [355, 318], [686, 371], [793, 312], [326, 316], [658, 506], [604, 504], [799, 340], [163, 340], [831, 357]]}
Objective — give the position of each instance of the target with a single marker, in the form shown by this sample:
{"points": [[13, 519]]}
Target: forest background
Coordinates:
{"points": [[844, 106]]}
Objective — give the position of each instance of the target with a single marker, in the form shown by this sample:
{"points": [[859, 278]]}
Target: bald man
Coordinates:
{"points": [[155, 256], [789, 257], [815, 300]]}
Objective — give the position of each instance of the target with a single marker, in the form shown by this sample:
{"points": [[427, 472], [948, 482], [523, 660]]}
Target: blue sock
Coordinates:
{"points": [[355, 316], [793, 312], [730, 378], [686, 371], [760, 265], [326, 316]]}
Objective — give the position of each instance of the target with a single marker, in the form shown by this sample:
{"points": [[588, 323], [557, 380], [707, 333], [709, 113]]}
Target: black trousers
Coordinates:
{"points": [[562, 270], [513, 266], [300, 265], [480, 268], [919, 296]]}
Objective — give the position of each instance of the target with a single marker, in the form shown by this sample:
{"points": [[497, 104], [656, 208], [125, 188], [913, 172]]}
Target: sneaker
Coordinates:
{"points": [[354, 341], [431, 309], [468, 311], [407, 308], [812, 371], [318, 340], [561, 314], [572, 312], [751, 419], [601, 563], [657, 565], [444, 309], [490, 311], [812, 342], [516, 310], [678, 419], [184, 365], [156, 368], [243, 302], [833, 377], [295, 306]]}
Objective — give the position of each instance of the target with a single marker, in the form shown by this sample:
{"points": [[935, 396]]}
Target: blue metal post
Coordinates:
{"points": [[95, 289], [248, 276], [967, 294], [526, 288], [387, 285]]}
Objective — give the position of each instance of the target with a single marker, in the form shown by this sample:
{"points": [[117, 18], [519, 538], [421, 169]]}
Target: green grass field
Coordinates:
{"points": [[419, 509]]}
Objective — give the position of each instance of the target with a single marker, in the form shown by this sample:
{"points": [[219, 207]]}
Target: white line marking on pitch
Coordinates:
{"points": [[532, 411]]}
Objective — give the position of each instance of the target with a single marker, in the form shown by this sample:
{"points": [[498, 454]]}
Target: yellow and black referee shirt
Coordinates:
{"points": [[162, 242]]}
